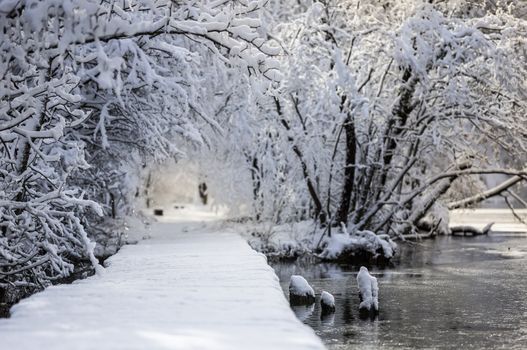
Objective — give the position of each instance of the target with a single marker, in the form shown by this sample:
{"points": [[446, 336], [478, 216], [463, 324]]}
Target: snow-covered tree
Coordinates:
{"points": [[386, 108], [90, 93]]}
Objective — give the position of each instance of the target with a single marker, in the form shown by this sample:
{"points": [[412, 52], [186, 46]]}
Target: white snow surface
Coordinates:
{"points": [[368, 289], [299, 286], [187, 287], [327, 299]]}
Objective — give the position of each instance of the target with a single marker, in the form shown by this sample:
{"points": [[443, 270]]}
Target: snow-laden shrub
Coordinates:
{"points": [[283, 241], [300, 239], [362, 244]]}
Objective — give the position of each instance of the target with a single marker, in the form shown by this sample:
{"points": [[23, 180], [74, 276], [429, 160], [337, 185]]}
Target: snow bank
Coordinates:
{"points": [[300, 292], [362, 245], [283, 241], [327, 302], [368, 291], [185, 288], [302, 238]]}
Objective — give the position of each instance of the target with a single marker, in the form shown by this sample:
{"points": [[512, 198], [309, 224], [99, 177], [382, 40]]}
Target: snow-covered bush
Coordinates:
{"points": [[359, 247], [304, 239], [282, 241]]}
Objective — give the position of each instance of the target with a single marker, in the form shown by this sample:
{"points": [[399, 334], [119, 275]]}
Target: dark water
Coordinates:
{"points": [[447, 293]]}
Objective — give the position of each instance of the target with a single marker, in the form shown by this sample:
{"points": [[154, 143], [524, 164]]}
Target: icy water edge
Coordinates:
{"points": [[446, 293]]}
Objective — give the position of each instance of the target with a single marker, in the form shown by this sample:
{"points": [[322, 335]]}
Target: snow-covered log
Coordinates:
{"points": [[466, 230], [479, 197], [300, 292], [368, 292], [327, 302]]}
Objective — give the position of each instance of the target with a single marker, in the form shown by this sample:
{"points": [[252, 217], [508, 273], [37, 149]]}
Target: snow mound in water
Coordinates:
{"points": [[299, 286], [368, 290], [327, 301]]}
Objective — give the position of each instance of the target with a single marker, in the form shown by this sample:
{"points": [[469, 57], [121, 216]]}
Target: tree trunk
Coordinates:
{"points": [[486, 194], [349, 173], [397, 123], [256, 180], [319, 212]]}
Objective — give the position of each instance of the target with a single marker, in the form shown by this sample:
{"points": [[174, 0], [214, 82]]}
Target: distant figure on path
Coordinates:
{"points": [[203, 192]]}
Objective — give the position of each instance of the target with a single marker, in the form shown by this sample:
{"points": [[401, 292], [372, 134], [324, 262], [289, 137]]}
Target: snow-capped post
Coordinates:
{"points": [[368, 293], [300, 292], [327, 303]]}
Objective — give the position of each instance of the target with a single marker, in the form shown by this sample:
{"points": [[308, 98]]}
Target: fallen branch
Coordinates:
{"points": [[495, 191]]}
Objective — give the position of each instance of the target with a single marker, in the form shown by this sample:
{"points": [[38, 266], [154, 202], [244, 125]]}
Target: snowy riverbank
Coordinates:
{"points": [[305, 238], [187, 287]]}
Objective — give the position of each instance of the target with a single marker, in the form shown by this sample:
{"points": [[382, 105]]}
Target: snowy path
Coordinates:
{"points": [[186, 288]]}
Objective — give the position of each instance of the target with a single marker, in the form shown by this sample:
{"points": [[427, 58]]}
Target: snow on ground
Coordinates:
{"points": [[187, 287]]}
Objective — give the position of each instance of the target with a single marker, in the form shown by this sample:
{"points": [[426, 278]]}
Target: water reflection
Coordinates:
{"points": [[446, 293], [303, 312], [327, 318]]}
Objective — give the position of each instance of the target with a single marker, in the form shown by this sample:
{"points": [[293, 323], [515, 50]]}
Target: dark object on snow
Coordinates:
{"points": [[300, 292], [179, 207], [158, 212], [203, 192], [470, 230]]}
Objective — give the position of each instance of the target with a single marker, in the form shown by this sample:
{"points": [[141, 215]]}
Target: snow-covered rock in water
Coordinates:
{"points": [[327, 302], [368, 292], [300, 292]]}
